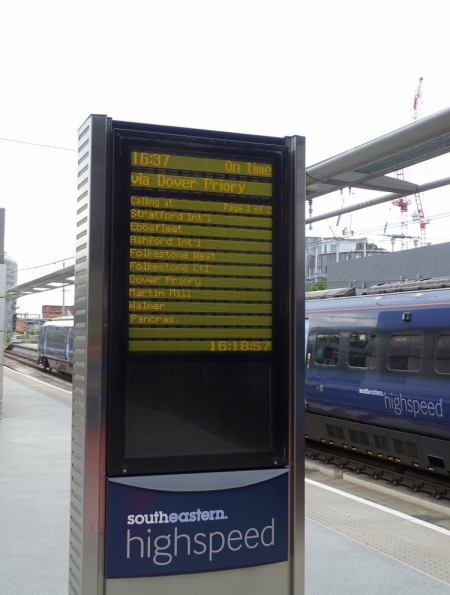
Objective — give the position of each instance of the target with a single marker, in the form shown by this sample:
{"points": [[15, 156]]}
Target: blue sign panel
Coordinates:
{"points": [[195, 523]]}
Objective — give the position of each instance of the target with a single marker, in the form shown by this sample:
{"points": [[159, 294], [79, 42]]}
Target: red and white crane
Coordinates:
{"points": [[403, 203], [419, 215]]}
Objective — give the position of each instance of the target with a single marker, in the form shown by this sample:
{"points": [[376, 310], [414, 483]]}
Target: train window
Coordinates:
{"points": [[442, 364], [70, 344], [327, 350], [56, 339], [362, 351], [405, 352]]}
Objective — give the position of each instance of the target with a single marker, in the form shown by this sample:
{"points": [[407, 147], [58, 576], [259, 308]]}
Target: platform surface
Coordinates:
{"points": [[351, 547], [357, 546], [34, 487]]}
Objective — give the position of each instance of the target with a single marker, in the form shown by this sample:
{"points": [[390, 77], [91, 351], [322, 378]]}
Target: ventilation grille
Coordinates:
{"points": [[381, 442], [360, 437], [336, 432], [87, 498], [79, 364], [406, 448]]}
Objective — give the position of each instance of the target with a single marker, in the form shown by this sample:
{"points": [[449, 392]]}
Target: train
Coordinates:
{"points": [[55, 347], [377, 370], [378, 373]]}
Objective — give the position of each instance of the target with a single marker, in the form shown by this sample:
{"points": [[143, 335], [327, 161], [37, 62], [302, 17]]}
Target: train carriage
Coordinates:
{"points": [[378, 375], [56, 345]]}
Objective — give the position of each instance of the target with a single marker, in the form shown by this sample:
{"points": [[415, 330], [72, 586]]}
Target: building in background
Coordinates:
{"points": [[20, 325], [11, 281], [49, 312], [321, 252], [405, 265], [28, 323], [312, 248]]}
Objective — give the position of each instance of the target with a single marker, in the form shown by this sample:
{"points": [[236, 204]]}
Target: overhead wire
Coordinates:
{"points": [[23, 142], [39, 266]]}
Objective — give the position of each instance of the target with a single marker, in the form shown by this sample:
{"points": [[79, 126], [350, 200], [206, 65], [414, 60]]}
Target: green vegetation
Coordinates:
{"points": [[317, 286]]}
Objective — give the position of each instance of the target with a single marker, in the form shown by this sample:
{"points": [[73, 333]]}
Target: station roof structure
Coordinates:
{"points": [[61, 278], [364, 167]]}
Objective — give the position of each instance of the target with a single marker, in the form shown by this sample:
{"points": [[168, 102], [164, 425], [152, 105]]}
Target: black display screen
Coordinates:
{"points": [[197, 408], [199, 305]]}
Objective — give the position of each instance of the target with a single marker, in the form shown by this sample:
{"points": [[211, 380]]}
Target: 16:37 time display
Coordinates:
{"points": [[241, 346]]}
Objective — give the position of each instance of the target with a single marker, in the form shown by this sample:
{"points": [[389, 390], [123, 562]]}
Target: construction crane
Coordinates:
{"points": [[419, 215], [403, 203]]}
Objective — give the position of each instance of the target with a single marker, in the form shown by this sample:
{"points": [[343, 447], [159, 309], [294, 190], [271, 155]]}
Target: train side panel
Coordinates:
{"points": [[378, 374]]}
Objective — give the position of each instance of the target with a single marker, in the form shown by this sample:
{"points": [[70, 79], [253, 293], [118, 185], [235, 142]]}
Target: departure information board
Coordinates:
{"points": [[200, 280], [200, 270]]}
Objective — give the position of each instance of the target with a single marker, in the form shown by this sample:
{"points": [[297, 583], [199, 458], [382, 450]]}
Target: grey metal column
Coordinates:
{"points": [[297, 354], [2, 301], [89, 367]]}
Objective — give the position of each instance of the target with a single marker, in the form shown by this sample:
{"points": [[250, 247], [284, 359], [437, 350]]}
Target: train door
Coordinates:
{"points": [[306, 335], [69, 345], [41, 343], [54, 342]]}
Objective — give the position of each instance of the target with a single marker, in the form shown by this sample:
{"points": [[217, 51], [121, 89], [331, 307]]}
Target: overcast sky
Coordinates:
{"points": [[338, 73]]}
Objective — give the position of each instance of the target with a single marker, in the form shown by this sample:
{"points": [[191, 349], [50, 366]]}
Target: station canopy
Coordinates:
{"points": [[56, 280], [363, 167]]}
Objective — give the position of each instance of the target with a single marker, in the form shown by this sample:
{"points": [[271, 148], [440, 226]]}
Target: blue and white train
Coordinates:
{"points": [[55, 345], [378, 373]]}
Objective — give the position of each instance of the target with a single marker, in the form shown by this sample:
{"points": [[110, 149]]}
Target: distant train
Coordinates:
{"points": [[55, 345], [378, 373]]}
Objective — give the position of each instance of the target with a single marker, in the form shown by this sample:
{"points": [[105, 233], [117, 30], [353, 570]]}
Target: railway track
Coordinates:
{"points": [[22, 352], [16, 356], [437, 488]]}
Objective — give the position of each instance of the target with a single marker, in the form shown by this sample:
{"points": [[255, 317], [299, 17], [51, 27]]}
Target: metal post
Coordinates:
{"points": [[63, 309], [2, 301]]}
